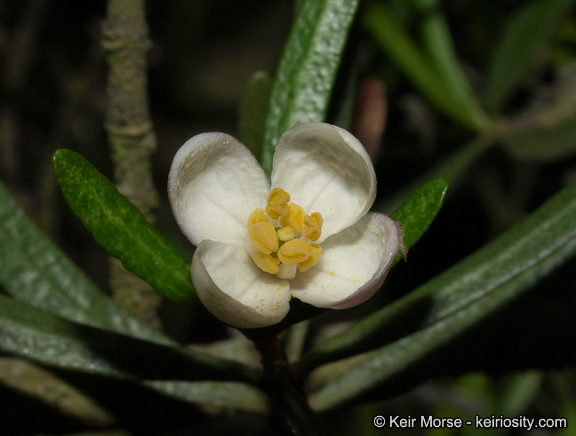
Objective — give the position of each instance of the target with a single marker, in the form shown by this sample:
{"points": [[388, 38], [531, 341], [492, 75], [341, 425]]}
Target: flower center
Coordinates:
{"points": [[281, 238]]}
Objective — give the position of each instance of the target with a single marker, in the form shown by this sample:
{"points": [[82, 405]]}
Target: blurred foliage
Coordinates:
{"points": [[479, 93]]}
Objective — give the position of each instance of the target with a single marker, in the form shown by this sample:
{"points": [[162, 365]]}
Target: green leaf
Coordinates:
{"points": [[295, 341], [49, 339], [225, 395], [440, 49], [40, 384], [307, 70], [252, 111], [35, 271], [44, 337], [417, 213], [524, 35], [520, 391], [442, 310], [419, 67], [121, 229]]}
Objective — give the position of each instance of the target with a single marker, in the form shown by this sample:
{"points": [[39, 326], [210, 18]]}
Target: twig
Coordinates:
{"points": [[132, 139], [291, 411]]}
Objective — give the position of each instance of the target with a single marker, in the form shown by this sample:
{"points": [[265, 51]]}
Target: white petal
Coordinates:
{"points": [[353, 266], [214, 184], [325, 169], [235, 290]]}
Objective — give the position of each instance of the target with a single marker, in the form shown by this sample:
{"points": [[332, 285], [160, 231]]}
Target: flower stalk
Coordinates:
{"points": [[290, 408]]}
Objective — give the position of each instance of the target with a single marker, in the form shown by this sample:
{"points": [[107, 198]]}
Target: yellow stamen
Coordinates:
{"points": [[258, 216], [316, 218], [285, 234], [279, 237], [266, 262], [277, 203], [294, 217], [263, 236], [294, 251], [312, 233], [312, 259], [312, 226]]}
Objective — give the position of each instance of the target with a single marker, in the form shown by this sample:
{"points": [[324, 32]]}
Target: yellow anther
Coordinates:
{"points": [[277, 203], [315, 218], [266, 262], [285, 234], [281, 251], [294, 217], [294, 251], [278, 196], [258, 216], [312, 233], [276, 211], [312, 259], [263, 236], [312, 226]]}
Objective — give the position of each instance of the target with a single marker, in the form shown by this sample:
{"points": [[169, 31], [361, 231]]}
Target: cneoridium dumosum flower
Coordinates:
{"points": [[307, 235]]}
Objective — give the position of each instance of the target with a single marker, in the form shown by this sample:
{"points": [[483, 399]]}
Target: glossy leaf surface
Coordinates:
{"points": [[35, 334], [121, 229], [443, 309], [35, 271], [307, 71]]}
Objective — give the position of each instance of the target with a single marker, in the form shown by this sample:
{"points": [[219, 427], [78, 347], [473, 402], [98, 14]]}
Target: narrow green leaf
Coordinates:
{"points": [[440, 49], [524, 35], [252, 111], [520, 391], [397, 43], [224, 395], [418, 212], [307, 71], [455, 301], [296, 337], [35, 271], [40, 384], [121, 229], [44, 337]]}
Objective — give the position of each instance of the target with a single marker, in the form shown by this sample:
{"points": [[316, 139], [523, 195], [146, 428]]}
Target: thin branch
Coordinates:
{"points": [[130, 132]]}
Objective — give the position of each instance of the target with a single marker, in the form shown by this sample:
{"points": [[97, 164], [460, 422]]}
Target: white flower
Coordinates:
{"points": [[308, 236]]}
